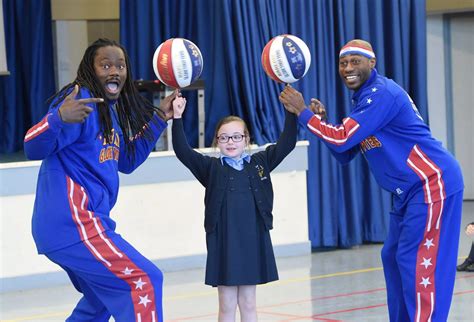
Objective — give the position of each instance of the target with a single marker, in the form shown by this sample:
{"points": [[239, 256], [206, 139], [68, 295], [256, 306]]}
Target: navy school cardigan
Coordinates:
{"points": [[215, 176]]}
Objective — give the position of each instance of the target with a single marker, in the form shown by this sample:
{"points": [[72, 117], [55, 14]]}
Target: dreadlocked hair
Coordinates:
{"points": [[133, 110]]}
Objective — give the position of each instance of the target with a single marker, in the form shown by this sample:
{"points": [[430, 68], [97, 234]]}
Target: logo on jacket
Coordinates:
{"points": [[370, 143], [260, 172], [112, 151]]}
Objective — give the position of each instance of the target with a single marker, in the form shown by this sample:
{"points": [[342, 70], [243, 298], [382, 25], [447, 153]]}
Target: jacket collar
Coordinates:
{"points": [[369, 82]]}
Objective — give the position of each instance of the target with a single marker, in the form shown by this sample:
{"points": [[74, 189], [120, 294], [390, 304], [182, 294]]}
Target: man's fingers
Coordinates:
{"points": [[74, 92], [318, 105], [84, 109], [86, 113], [90, 100], [288, 92], [285, 94]]}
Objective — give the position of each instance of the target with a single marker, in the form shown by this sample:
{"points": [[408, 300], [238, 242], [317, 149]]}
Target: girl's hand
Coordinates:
{"points": [[470, 229], [179, 105]]}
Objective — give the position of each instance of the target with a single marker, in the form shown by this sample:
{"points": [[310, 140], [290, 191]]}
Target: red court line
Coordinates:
{"points": [[463, 292], [291, 303], [193, 317], [316, 316], [342, 295], [464, 276], [296, 317], [326, 297], [319, 315], [351, 309]]}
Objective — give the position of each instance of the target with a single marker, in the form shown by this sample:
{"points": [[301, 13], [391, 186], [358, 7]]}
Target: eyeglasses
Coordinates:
{"points": [[225, 138]]}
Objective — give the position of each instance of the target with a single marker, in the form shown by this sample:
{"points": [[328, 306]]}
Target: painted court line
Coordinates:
{"points": [[321, 316], [213, 292], [278, 283], [317, 317], [293, 317], [286, 281], [314, 299]]}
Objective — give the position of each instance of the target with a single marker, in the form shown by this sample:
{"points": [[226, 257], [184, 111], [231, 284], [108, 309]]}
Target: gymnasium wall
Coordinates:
{"points": [[450, 48]]}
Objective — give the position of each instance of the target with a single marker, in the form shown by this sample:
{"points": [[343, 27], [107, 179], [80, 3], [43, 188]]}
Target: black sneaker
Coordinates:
{"points": [[470, 268], [465, 265]]}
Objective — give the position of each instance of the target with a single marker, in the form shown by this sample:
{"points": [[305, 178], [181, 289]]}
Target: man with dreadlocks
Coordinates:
{"points": [[420, 252], [96, 126]]}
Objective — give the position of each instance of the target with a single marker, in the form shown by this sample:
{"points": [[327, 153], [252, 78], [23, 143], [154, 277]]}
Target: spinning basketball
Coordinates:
{"points": [[177, 62], [286, 58]]}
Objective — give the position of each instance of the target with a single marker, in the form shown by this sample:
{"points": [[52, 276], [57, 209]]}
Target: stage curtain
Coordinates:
{"points": [[345, 205], [29, 50]]}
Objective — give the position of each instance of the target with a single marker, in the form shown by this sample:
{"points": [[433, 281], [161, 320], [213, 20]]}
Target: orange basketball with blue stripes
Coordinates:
{"points": [[177, 62], [286, 58]]}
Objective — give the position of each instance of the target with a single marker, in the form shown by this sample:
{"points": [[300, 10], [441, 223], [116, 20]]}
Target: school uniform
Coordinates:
{"points": [[238, 208], [77, 187], [420, 252]]}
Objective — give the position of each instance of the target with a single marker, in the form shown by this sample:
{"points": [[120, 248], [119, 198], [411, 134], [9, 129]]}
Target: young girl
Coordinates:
{"points": [[238, 209], [96, 126]]}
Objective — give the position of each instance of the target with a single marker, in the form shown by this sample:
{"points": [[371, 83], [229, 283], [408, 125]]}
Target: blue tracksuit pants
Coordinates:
{"points": [[114, 278], [419, 259]]}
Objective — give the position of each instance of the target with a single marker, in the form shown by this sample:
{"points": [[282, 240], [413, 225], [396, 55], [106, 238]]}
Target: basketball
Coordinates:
{"points": [[286, 58], [177, 62]]}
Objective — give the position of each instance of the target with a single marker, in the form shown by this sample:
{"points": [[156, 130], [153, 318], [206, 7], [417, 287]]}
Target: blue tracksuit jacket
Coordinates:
{"points": [[78, 152], [427, 185]]}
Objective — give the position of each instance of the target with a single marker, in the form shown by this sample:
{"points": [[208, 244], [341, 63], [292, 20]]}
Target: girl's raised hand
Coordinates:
{"points": [[179, 105], [470, 229], [166, 105]]}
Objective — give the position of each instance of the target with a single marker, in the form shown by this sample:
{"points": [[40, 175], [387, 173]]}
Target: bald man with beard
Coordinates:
{"points": [[420, 252]]}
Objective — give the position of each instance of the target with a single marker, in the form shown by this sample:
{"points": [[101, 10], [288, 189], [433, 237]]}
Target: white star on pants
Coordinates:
{"points": [[425, 281], [426, 262], [139, 284], [127, 271], [428, 243], [144, 300]]}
